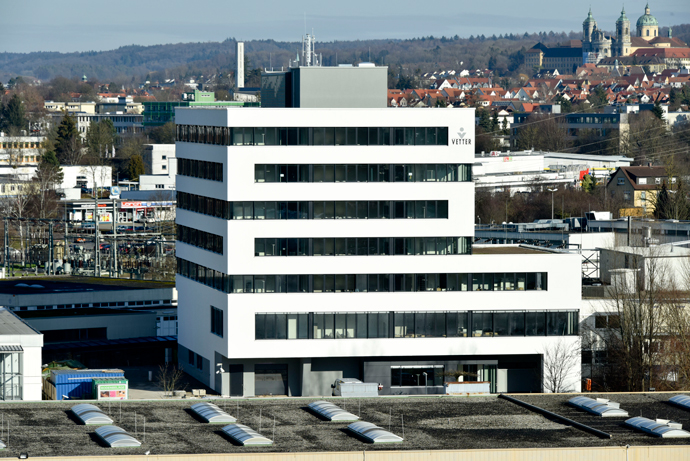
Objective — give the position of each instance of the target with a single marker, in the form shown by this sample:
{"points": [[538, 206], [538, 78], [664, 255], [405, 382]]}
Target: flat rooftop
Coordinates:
{"points": [[12, 325], [430, 423], [505, 250], [69, 284]]}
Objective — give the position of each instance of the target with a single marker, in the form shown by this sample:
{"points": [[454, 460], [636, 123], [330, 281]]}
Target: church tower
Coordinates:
{"points": [[588, 26], [623, 35]]}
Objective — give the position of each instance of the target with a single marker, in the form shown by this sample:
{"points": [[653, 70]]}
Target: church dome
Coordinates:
{"points": [[647, 19], [590, 19], [623, 17]]}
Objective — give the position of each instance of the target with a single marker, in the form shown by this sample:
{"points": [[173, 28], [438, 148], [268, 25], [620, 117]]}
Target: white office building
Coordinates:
{"points": [[20, 358], [315, 244]]}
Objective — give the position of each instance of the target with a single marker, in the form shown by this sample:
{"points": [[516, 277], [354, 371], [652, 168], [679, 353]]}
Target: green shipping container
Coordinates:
{"points": [[111, 389]]}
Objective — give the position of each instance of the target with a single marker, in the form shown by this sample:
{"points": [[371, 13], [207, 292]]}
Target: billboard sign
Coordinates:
{"points": [[112, 391]]}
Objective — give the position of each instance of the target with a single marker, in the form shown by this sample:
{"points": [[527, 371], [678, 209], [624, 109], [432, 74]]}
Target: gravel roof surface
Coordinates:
{"points": [[49, 429]]}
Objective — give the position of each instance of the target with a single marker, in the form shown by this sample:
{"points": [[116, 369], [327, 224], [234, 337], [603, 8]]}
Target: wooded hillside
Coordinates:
{"points": [[130, 64]]}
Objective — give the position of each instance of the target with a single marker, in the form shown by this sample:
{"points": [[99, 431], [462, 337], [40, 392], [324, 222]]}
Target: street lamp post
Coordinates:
{"points": [[552, 191]]}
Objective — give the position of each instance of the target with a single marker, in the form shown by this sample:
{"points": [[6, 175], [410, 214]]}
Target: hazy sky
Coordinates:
{"points": [[83, 25]]}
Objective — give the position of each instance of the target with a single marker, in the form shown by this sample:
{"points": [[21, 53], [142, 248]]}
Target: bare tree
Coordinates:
{"points": [[169, 378], [16, 206], [636, 301], [559, 361]]}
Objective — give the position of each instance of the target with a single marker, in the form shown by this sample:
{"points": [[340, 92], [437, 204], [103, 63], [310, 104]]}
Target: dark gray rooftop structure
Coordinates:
{"points": [[450, 423]]}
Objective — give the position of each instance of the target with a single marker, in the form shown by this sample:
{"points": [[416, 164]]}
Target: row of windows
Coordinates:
{"points": [[200, 169], [435, 172], [372, 209], [363, 325], [317, 136], [201, 239], [362, 246], [103, 304], [354, 283], [21, 145]]}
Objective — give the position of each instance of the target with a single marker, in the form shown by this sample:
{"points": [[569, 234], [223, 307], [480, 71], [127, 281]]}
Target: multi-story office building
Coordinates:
{"points": [[315, 244]]}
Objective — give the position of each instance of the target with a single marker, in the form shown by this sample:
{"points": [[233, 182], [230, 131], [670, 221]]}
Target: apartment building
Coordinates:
{"points": [[315, 244]]}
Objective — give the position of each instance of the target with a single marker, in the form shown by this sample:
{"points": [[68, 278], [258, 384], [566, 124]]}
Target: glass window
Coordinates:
{"points": [[361, 325], [340, 136], [482, 324], [259, 326], [329, 136], [319, 138], [535, 323]]}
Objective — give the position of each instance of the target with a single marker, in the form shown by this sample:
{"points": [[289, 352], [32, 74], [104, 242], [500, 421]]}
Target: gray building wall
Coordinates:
{"points": [[121, 326], [340, 87], [326, 87]]}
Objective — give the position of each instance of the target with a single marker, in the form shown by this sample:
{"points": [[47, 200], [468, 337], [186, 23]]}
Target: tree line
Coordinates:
{"points": [[130, 63]]}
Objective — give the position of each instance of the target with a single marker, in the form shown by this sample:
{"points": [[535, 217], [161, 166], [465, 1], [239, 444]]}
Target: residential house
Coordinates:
{"points": [[638, 186]]}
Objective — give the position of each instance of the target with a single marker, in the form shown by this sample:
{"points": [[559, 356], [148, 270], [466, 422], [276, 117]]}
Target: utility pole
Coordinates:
{"points": [[96, 248], [50, 248], [114, 248], [552, 191], [7, 247]]}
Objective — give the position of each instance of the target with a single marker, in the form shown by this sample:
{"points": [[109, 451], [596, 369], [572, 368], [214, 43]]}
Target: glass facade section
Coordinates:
{"points": [[452, 172], [200, 169], [377, 325], [382, 209], [363, 246], [200, 239], [313, 136]]}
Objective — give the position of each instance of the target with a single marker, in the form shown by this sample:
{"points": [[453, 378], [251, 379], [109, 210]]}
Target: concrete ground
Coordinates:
{"points": [[140, 388]]}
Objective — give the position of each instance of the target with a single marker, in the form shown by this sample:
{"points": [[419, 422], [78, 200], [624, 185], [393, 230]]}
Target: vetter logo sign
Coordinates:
{"points": [[461, 140]]}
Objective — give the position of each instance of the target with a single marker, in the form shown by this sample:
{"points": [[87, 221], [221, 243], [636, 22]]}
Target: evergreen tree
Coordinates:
{"points": [[658, 111], [494, 122], [485, 120], [49, 169], [135, 167], [588, 183], [67, 141], [13, 114], [662, 203]]}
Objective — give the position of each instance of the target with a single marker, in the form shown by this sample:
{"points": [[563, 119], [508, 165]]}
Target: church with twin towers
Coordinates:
{"points": [[626, 41]]}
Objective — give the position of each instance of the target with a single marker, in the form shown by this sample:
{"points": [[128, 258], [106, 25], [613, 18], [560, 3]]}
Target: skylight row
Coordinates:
{"points": [[246, 436], [600, 407], [90, 414], [212, 413], [663, 428], [331, 411], [116, 437], [372, 433]]}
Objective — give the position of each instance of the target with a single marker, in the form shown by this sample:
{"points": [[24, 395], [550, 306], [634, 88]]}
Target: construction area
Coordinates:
{"points": [[424, 423]]}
